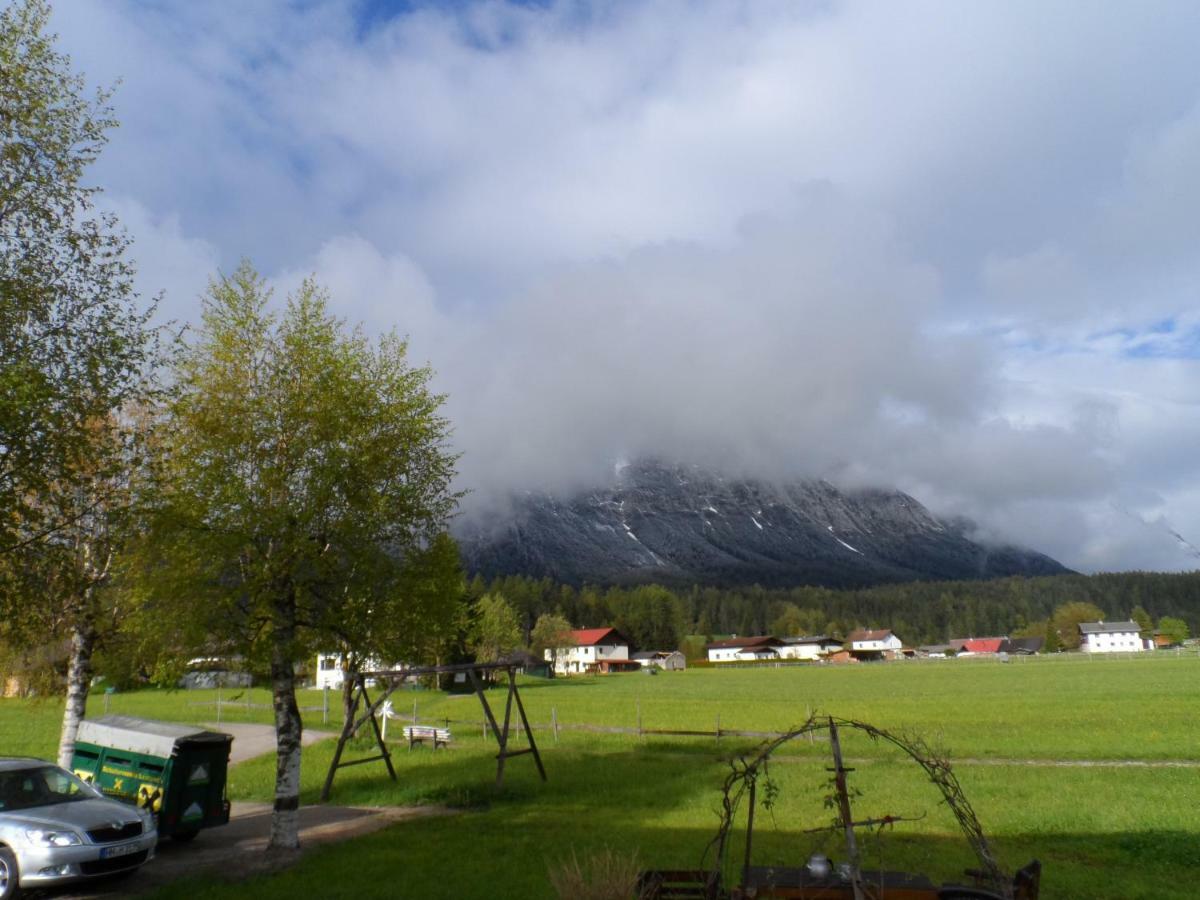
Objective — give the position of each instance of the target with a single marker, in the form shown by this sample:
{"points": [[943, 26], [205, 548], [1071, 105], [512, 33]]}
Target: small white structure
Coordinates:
{"points": [[1110, 637], [671, 660], [811, 647], [329, 671], [878, 639], [591, 650], [745, 649], [330, 674]]}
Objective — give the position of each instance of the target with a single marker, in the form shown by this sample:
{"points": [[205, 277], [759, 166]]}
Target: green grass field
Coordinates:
{"points": [[1101, 830]]}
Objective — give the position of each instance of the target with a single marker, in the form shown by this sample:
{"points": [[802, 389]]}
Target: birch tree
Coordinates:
{"points": [[76, 348], [74, 337], [302, 465]]}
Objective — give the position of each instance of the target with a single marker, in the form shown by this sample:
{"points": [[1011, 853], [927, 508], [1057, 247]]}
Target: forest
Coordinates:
{"points": [[919, 612]]}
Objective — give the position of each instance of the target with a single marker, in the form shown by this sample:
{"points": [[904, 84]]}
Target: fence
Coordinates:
{"points": [[555, 726]]}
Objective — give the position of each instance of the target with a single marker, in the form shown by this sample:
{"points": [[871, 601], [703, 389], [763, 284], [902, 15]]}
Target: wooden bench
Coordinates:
{"points": [[419, 734]]}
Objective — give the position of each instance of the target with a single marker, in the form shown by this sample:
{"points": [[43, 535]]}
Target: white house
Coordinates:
{"points": [[877, 639], [744, 649], [1110, 637], [591, 650], [813, 647], [330, 674]]}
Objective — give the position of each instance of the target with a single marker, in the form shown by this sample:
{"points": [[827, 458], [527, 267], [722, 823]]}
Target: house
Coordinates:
{"points": [[936, 651], [1026, 646], [671, 660], [1110, 637], [867, 645], [981, 646], [590, 650], [877, 639], [811, 647], [744, 649], [330, 674]]}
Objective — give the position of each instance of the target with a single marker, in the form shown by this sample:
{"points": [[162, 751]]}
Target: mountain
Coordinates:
{"points": [[680, 525]]}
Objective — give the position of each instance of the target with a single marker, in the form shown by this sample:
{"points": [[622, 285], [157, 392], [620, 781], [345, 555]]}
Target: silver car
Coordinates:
{"points": [[55, 828]]}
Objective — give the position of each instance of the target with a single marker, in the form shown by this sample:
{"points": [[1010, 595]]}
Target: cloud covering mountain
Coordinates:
{"points": [[947, 248]]}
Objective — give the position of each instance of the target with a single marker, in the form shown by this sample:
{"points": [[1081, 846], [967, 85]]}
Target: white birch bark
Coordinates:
{"points": [[79, 680], [285, 820]]}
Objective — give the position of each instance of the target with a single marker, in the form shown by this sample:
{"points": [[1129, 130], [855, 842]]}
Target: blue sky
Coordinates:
{"points": [[948, 247]]}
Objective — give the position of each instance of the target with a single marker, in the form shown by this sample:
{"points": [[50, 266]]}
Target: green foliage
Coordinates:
{"points": [[1145, 623], [1068, 617], [74, 340], [1175, 629], [1052, 643], [551, 632], [496, 633], [920, 612], [303, 469], [651, 617]]}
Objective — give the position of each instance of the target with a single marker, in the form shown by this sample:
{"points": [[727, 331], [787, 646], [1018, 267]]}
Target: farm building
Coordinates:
{"points": [[989, 646], [1110, 637], [867, 644], [1026, 646], [936, 651], [672, 660], [812, 647], [744, 649], [591, 650]]}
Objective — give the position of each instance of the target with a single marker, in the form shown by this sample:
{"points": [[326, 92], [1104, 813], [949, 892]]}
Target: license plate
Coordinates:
{"points": [[119, 850]]}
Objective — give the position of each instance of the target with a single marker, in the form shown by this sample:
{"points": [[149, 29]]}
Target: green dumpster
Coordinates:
{"points": [[176, 771]]}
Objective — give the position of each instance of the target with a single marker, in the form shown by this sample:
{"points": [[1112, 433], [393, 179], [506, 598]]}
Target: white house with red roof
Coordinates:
{"points": [[591, 650]]}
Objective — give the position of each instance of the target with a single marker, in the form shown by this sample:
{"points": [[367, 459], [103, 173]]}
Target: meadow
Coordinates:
{"points": [[1119, 821]]}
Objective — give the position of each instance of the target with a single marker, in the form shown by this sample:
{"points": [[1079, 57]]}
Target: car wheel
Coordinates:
{"points": [[10, 874]]}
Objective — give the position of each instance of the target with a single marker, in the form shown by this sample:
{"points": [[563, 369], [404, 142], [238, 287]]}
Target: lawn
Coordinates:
{"points": [[1101, 831]]}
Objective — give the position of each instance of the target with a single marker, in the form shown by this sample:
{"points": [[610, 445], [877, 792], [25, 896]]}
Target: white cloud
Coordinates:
{"points": [[934, 245]]}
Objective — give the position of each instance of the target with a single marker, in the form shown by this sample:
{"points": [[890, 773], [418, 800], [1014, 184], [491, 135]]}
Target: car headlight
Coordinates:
{"points": [[44, 838]]}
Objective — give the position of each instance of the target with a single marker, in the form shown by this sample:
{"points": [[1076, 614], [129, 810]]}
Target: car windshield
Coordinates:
{"points": [[40, 786]]}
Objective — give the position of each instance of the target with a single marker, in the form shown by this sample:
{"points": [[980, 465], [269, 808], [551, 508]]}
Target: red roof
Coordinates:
{"points": [[589, 637], [982, 645]]}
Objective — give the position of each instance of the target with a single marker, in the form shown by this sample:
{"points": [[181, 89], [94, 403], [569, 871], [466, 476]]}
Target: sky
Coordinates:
{"points": [[952, 248]]}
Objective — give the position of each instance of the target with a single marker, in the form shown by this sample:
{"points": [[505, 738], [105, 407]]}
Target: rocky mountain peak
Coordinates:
{"points": [[674, 524]]}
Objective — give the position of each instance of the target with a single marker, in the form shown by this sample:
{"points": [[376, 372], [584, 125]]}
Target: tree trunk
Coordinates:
{"points": [[79, 681], [350, 667], [285, 821]]}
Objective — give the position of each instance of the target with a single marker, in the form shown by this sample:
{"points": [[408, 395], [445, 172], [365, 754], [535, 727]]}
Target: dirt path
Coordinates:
{"points": [[237, 850], [251, 740]]}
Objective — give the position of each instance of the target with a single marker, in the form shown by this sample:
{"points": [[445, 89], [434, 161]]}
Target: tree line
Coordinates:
{"points": [[656, 617]]}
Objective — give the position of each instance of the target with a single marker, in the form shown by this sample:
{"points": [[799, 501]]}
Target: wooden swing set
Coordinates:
{"points": [[391, 679]]}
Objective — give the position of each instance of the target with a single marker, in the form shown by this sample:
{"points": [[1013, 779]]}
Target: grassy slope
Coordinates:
{"points": [[1101, 832]]}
